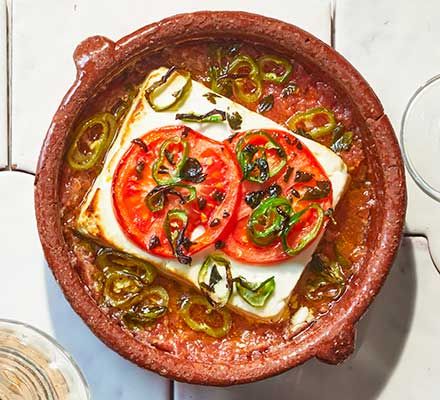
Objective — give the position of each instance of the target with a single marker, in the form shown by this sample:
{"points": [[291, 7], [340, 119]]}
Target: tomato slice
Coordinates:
{"points": [[201, 215], [302, 180]]}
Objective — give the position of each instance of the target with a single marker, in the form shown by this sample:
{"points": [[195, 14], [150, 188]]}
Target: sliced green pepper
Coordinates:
{"points": [[121, 288], [213, 116], [240, 83], [163, 88], [175, 225], [166, 170], [205, 326], [109, 261], [215, 280], [260, 156], [307, 238], [157, 197], [149, 305], [219, 83], [305, 121], [87, 147], [269, 220], [278, 62], [121, 107], [255, 293]]}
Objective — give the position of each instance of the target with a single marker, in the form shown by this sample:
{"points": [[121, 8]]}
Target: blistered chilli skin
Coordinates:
{"points": [[247, 339]]}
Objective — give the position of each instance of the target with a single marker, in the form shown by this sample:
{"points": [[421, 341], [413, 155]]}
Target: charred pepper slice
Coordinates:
{"points": [[269, 220], [150, 304], [273, 75], [157, 197], [255, 293], [121, 288], [260, 156], [175, 225], [88, 146], [316, 122], [215, 280], [242, 80], [204, 325], [170, 89], [166, 169], [110, 261], [310, 236]]}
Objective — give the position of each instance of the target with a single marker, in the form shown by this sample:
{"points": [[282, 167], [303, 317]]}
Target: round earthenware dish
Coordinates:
{"points": [[372, 209]]}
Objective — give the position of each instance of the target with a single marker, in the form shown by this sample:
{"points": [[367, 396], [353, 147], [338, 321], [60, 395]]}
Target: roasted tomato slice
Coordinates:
{"points": [[301, 180], [175, 191]]}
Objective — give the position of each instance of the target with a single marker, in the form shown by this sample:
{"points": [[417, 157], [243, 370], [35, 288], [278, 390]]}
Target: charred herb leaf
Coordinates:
{"points": [[289, 90], [234, 120], [192, 171], [321, 190], [211, 116], [265, 104], [274, 190], [141, 144], [215, 277], [288, 174], [211, 96], [158, 196], [302, 176], [218, 195], [253, 199], [342, 140]]}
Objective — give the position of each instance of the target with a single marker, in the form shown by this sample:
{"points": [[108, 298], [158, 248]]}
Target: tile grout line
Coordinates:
{"points": [[333, 23], [8, 6], [172, 388]]}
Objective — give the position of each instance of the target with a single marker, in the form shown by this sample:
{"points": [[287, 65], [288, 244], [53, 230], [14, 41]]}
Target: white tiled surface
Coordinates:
{"points": [[397, 347], [29, 293], [3, 88], [45, 33], [395, 45], [397, 340]]}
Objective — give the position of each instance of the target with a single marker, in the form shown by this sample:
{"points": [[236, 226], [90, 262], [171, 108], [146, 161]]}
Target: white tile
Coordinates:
{"points": [[397, 347], [32, 295], [395, 46], [45, 33], [3, 87]]}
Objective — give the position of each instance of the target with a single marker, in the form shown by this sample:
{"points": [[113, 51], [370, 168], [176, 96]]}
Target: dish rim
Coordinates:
{"points": [[331, 337]]}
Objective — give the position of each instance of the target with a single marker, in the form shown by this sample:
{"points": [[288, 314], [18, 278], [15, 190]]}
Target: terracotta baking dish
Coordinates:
{"points": [[331, 338]]}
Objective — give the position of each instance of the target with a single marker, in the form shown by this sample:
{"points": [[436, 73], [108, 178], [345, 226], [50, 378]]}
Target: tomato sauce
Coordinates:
{"points": [[344, 240]]}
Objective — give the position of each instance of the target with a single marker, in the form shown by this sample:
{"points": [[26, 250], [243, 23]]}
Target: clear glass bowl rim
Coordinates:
{"points": [[54, 343], [420, 181]]}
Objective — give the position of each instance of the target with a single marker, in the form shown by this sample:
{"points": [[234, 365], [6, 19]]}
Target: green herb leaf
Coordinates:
{"points": [[321, 190], [265, 104]]}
